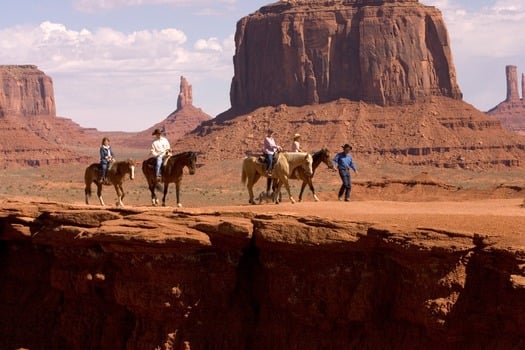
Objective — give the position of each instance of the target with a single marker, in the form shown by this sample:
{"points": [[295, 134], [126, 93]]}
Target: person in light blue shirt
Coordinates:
{"points": [[344, 162]]}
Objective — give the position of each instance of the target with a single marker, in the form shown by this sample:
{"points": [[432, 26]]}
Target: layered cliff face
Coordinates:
{"points": [[442, 133], [80, 278], [511, 112], [307, 52], [30, 132], [25, 91]]}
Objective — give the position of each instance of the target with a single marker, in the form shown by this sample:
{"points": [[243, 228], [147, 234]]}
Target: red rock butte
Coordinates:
{"points": [[308, 52], [511, 112], [26, 91]]}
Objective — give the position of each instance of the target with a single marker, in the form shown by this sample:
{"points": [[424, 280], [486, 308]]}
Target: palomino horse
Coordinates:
{"points": [[321, 156], [115, 175], [286, 163], [172, 171]]}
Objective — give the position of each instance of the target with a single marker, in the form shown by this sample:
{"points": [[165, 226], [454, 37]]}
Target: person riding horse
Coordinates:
{"points": [[270, 147], [107, 157], [159, 149]]}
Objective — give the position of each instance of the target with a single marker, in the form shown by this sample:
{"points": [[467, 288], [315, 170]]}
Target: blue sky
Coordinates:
{"points": [[116, 64]]}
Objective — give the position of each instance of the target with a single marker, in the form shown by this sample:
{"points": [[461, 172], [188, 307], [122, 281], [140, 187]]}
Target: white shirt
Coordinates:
{"points": [[296, 147], [160, 146]]}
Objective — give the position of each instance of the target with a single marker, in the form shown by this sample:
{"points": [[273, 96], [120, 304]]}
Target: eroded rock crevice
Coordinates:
{"points": [[78, 278]]}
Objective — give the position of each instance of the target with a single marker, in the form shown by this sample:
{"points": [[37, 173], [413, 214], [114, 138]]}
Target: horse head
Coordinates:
{"points": [[326, 158], [307, 165], [192, 162], [131, 165]]}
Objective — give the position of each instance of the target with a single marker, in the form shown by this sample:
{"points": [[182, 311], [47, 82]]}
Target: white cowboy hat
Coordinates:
{"points": [[296, 136]]}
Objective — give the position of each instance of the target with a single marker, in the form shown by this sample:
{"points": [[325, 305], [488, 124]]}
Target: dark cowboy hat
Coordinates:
{"points": [[346, 145], [156, 132], [270, 131]]}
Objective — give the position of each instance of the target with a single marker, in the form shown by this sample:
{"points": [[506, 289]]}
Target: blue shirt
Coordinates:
{"points": [[344, 161], [104, 153]]}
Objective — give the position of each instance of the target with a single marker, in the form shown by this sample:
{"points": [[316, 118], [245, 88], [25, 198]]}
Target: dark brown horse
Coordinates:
{"points": [[172, 171], [115, 176]]}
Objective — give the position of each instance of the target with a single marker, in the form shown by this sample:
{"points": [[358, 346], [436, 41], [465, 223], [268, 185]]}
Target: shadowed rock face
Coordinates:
{"points": [[308, 52], [81, 278], [26, 91]]}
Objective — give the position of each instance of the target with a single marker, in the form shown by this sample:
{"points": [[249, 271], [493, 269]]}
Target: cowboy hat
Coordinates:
{"points": [[156, 132], [346, 145], [296, 136]]}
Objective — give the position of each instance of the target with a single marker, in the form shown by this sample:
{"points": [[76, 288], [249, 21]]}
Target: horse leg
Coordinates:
{"points": [[268, 184], [287, 186], [154, 200], [177, 192], [249, 185], [166, 184], [119, 195], [311, 185], [99, 194], [87, 192]]}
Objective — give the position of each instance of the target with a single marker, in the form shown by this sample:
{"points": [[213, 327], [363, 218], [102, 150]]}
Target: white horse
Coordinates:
{"points": [[285, 164]]}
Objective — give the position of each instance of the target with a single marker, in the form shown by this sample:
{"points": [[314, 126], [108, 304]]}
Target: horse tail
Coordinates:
{"points": [[87, 179]]}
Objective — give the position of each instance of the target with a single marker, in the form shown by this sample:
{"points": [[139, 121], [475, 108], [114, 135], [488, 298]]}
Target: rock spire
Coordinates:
{"points": [[185, 95], [512, 84], [511, 112]]}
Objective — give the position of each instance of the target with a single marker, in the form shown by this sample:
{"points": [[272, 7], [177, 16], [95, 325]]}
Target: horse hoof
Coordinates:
{"points": [[316, 198], [179, 205]]}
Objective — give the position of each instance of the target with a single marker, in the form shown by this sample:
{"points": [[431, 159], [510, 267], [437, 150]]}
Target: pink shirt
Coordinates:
{"points": [[269, 145]]}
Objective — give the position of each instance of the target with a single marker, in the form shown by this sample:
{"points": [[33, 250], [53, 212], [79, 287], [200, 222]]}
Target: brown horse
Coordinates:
{"points": [[286, 163], [171, 171], [321, 156], [115, 176]]}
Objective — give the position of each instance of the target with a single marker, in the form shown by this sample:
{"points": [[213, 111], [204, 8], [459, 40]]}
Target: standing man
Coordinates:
{"points": [[343, 161], [159, 148], [270, 147]]}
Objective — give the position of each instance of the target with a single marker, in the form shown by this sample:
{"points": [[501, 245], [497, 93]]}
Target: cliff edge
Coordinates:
{"points": [[76, 277]]}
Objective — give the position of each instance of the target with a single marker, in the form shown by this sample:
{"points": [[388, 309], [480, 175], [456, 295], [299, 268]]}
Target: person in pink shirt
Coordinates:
{"points": [[270, 147]]}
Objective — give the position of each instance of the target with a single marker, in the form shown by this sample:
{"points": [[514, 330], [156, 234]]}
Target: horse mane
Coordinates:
{"points": [[174, 160]]}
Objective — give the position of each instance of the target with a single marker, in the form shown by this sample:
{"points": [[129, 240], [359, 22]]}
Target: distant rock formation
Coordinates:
{"points": [[30, 132], [181, 121], [444, 133], [307, 52], [25, 91], [511, 112], [185, 95]]}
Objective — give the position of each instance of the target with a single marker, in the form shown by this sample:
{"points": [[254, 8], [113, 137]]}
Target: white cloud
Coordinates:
{"points": [[104, 69], [484, 40]]}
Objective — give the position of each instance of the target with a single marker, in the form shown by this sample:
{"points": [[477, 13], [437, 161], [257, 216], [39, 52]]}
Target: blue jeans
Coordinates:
{"points": [[269, 161], [103, 169], [158, 165], [346, 187]]}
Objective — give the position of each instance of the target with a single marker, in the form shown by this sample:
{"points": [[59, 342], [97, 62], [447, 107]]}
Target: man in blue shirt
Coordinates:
{"points": [[343, 161]]}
